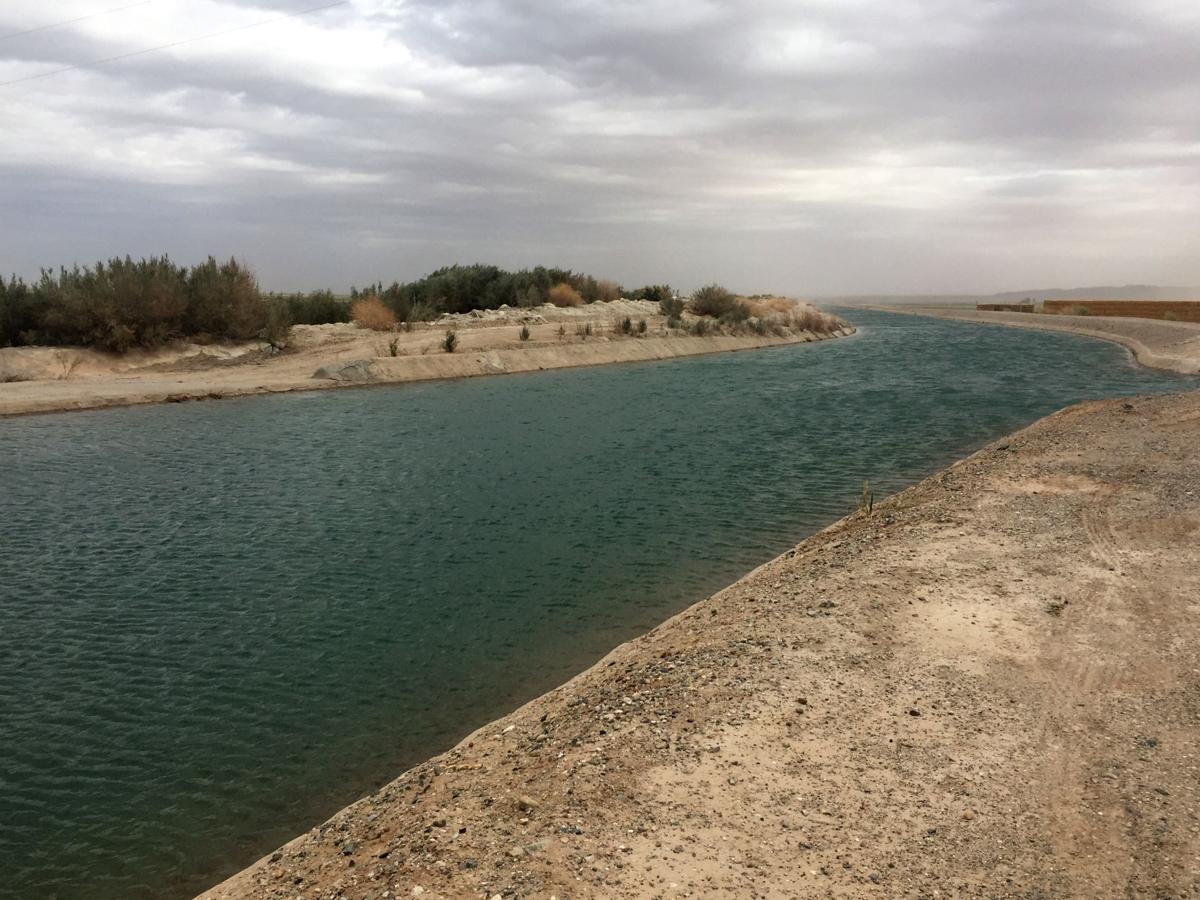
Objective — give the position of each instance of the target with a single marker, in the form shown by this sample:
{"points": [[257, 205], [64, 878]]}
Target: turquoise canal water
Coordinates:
{"points": [[221, 622]]}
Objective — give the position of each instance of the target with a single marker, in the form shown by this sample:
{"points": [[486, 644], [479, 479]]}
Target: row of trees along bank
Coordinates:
{"points": [[124, 303]]}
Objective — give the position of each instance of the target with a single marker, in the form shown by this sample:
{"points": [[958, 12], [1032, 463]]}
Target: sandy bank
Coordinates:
{"points": [[990, 687], [333, 356], [1173, 346]]}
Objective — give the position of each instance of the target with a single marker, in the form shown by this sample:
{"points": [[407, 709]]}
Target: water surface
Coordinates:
{"points": [[221, 622]]}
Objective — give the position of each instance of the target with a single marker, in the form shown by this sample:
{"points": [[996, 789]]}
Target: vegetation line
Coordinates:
{"points": [[125, 304]]}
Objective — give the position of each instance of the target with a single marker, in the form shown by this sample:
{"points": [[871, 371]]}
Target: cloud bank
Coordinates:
{"points": [[827, 146]]}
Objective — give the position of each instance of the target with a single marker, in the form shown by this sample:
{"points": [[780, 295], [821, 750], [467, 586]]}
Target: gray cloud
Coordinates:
{"points": [[913, 145]]}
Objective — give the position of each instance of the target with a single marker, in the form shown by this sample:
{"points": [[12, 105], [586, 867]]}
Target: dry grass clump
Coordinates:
{"points": [[809, 319], [369, 312], [607, 291], [562, 294], [764, 307]]}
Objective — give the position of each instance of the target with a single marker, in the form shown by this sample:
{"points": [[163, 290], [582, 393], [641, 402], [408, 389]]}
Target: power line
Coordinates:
{"points": [[95, 15], [191, 40]]}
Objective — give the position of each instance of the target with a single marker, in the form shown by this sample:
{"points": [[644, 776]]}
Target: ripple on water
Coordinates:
{"points": [[221, 622]]}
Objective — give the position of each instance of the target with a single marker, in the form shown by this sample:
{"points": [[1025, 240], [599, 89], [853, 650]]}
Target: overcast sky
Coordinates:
{"points": [[827, 146]]}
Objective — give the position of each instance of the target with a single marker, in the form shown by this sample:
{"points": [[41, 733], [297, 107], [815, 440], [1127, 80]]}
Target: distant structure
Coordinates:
{"points": [[1026, 307], [1169, 310]]}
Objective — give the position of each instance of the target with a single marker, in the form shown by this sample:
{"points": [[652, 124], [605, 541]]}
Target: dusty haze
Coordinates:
{"points": [[908, 146]]}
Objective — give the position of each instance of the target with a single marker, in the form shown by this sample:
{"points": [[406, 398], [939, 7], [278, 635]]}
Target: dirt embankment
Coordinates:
{"points": [[329, 356], [1173, 346], [989, 688]]}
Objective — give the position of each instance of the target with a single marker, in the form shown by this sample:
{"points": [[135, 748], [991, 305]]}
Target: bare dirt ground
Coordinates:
{"points": [[1174, 346], [47, 379], [989, 687]]}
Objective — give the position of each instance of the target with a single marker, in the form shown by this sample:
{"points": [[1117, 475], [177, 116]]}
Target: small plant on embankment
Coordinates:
{"points": [[394, 347], [641, 326], [523, 334], [718, 303], [866, 502], [671, 307], [450, 341]]}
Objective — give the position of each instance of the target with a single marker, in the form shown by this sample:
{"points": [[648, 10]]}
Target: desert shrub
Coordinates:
{"points": [[523, 334], [562, 332], [671, 307], [315, 308], [588, 287], [370, 312], [562, 294], [607, 291], [802, 320], [277, 324], [223, 301], [627, 325], [655, 293], [763, 307], [421, 312], [1170, 316], [736, 315], [700, 327], [462, 288], [808, 319], [22, 313], [450, 341], [530, 296], [641, 326], [394, 347], [715, 301], [458, 289], [122, 303], [116, 305]]}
